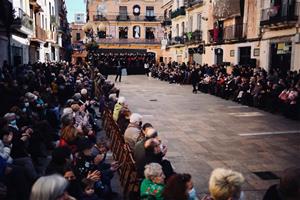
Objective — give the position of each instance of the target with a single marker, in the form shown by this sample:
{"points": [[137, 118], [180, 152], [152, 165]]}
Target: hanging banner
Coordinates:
{"points": [[223, 9]]}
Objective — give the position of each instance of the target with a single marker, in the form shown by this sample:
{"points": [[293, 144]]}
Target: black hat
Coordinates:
{"points": [[84, 144]]}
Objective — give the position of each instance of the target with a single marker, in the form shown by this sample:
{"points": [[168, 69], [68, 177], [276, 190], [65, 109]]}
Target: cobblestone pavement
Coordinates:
{"points": [[204, 132]]}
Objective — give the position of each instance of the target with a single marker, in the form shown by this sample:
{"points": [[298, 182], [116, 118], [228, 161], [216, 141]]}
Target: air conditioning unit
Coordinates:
{"points": [[297, 38]]}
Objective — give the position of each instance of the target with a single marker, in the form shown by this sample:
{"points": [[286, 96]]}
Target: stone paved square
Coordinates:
{"points": [[204, 132]]}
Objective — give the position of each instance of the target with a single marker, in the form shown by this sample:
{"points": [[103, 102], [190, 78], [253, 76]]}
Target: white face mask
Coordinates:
{"points": [[242, 196]]}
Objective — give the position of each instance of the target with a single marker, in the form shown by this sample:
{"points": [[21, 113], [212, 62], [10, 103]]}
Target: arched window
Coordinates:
{"points": [[136, 31]]}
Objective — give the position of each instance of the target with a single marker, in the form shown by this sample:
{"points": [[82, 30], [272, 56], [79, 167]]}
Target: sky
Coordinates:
{"points": [[74, 6]]}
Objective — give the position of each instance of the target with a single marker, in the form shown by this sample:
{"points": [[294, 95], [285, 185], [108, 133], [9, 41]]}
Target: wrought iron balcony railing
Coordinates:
{"points": [[128, 41], [191, 3], [234, 32], [126, 18], [178, 12], [280, 14], [22, 19]]}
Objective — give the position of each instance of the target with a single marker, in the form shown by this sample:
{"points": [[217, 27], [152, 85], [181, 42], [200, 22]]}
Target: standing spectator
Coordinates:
{"points": [[119, 72]]}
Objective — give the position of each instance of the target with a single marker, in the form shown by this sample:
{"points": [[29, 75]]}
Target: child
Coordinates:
{"points": [[88, 190]]}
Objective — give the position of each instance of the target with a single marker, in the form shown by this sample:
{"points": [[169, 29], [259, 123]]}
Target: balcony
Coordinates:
{"points": [[127, 18], [284, 14], [215, 36], [234, 32], [176, 41], [123, 18], [178, 12], [192, 3], [193, 37], [128, 41], [99, 18], [23, 20], [40, 34], [166, 22]]}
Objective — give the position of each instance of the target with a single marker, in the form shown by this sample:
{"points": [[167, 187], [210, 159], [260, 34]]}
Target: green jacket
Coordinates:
{"points": [[117, 110], [150, 190]]}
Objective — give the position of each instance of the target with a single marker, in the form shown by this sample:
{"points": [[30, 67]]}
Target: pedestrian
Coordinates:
{"points": [[119, 72], [146, 67]]}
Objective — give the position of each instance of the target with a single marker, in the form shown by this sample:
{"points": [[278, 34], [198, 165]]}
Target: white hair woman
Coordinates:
{"points": [[225, 184], [153, 184], [50, 188]]}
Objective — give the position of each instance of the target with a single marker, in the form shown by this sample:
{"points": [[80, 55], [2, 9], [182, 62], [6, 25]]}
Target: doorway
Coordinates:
{"points": [[280, 56], [245, 55]]}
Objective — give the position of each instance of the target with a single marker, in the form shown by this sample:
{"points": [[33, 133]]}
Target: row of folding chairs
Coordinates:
{"points": [[121, 153]]}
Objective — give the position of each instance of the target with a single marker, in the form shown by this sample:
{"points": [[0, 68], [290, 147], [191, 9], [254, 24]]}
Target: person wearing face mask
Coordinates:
{"points": [[133, 131], [11, 120], [225, 184], [190, 187]]}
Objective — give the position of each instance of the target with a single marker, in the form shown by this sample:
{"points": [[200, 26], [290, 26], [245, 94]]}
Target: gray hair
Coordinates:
{"points": [[153, 170], [49, 187]]}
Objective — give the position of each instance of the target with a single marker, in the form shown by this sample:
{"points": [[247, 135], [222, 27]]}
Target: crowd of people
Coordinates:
{"points": [[51, 147], [113, 63], [274, 91]]}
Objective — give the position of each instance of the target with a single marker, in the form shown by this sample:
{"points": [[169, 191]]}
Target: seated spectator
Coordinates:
{"points": [[178, 187], [133, 131], [288, 188], [155, 152], [118, 106], [225, 184], [51, 187], [124, 119], [153, 185], [69, 137], [139, 152], [89, 191], [60, 161]]}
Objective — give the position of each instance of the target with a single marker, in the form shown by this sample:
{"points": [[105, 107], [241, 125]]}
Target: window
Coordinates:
{"points": [[77, 36], [43, 25], [78, 18], [149, 11], [123, 10], [46, 25], [199, 21], [123, 32], [177, 30], [150, 33], [182, 29], [123, 13], [53, 10], [50, 9], [136, 31], [191, 24]]}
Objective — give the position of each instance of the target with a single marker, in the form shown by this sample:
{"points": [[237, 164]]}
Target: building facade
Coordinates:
{"points": [[261, 33], [6, 20], [78, 37], [37, 31], [134, 25]]}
